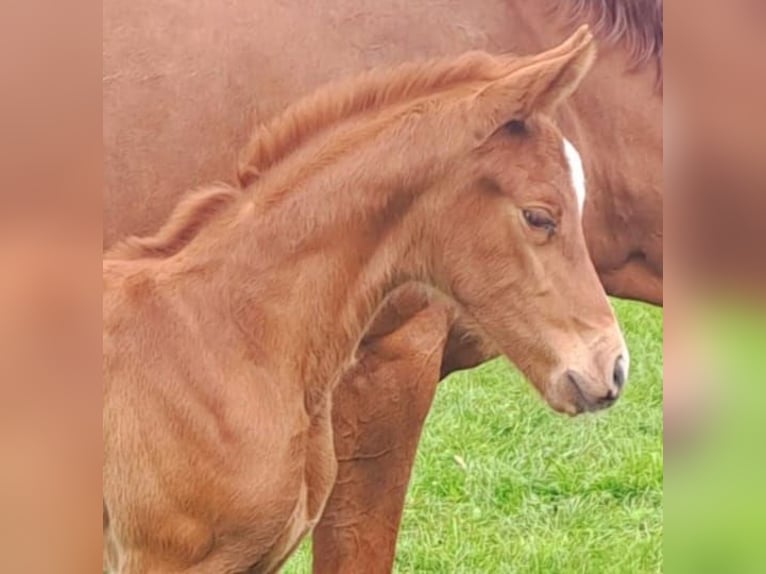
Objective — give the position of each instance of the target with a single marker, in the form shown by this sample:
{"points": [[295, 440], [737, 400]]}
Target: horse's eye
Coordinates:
{"points": [[516, 127], [540, 219]]}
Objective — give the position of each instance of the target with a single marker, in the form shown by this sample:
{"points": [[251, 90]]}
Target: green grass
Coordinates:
{"points": [[539, 492]]}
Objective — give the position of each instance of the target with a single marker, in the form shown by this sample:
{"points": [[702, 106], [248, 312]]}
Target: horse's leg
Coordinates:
{"points": [[378, 413]]}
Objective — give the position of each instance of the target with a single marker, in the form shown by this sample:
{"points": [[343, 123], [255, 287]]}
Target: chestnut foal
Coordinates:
{"points": [[226, 333]]}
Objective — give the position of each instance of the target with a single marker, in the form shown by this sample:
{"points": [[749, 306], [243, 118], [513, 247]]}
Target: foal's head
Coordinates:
{"points": [[513, 250], [504, 203]]}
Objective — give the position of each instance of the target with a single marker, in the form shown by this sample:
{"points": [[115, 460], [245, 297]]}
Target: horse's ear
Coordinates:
{"points": [[541, 82]]}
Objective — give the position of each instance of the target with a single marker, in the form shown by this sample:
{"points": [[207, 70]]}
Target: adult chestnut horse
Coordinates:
{"points": [[226, 332], [157, 144]]}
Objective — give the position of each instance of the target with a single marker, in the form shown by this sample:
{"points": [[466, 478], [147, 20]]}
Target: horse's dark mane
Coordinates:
{"points": [[637, 23]]}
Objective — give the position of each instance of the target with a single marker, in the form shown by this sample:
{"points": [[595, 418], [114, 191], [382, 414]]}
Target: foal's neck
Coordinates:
{"points": [[305, 270]]}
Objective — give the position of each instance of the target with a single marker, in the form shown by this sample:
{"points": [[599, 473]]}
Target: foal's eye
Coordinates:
{"points": [[516, 127], [540, 219]]}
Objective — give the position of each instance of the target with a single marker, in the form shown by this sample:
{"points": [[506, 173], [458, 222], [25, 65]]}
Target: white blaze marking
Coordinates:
{"points": [[576, 171]]}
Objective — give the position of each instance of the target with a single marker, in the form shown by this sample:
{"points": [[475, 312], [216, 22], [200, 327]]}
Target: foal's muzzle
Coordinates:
{"points": [[587, 392]]}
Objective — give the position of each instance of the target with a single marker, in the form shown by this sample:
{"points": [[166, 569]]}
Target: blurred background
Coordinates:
{"points": [[715, 333]]}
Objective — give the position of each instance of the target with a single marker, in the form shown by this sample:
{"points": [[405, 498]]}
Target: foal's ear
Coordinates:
{"points": [[557, 73], [540, 83]]}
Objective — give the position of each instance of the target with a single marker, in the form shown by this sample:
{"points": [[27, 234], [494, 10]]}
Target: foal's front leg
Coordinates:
{"points": [[378, 413]]}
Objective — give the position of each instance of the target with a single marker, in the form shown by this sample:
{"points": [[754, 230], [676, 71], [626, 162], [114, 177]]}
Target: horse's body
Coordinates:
{"points": [[178, 106], [226, 333]]}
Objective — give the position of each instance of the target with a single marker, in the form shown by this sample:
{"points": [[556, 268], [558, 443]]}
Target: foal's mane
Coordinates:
{"points": [[370, 91], [302, 121], [637, 23]]}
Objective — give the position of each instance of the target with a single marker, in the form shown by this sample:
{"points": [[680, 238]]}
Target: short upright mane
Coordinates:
{"points": [[307, 118], [371, 91], [637, 23]]}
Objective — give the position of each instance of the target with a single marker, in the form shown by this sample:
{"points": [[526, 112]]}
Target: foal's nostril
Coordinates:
{"points": [[618, 375]]}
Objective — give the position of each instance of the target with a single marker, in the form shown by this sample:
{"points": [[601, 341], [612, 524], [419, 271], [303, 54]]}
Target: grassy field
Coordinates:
{"points": [[534, 491]]}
